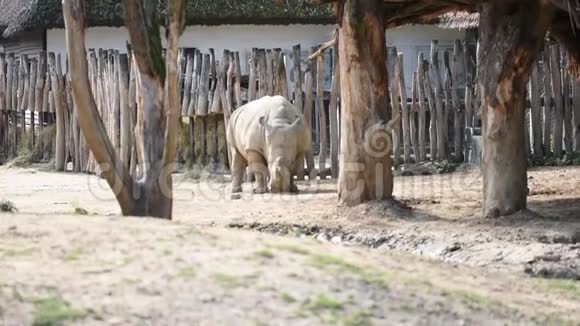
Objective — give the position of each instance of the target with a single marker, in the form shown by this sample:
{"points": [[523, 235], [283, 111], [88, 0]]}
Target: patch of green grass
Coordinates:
{"points": [[293, 249], [287, 298], [17, 252], [73, 255], [366, 275], [322, 303], [357, 319], [232, 281], [131, 281], [51, 311], [264, 253], [7, 206], [328, 262], [186, 273], [167, 252], [474, 300], [566, 287], [407, 308], [77, 209]]}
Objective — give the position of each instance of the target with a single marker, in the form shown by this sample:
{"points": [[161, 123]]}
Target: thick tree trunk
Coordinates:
{"points": [[152, 195], [511, 37], [366, 144]]}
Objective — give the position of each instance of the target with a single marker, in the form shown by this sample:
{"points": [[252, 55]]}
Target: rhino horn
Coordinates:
{"points": [[296, 124]]}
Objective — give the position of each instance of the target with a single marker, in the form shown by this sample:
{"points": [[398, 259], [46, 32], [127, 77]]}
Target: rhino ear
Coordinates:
{"points": [[265, 124]]}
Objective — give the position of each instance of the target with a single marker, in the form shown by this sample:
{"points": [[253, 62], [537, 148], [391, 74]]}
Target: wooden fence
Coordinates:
{"points": [[35, 94]]}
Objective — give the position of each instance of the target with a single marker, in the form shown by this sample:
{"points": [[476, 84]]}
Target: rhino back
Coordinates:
{"points": [[245, 131]]}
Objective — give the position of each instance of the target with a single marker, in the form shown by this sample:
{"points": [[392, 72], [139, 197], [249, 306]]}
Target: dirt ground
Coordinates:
{"points": [[431, 260]]}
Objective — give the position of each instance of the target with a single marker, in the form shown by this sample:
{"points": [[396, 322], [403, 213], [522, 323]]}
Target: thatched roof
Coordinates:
{"points": [[458, 20], [17, 16]]}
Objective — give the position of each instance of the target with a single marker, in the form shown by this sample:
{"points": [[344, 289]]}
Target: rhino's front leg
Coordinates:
{"points": [[239, 164], [258, 166], [297, 167]]}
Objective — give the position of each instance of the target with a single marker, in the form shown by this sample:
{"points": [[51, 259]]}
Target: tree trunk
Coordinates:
{"points": [[511, 37], [152, 195], [366, 142]]}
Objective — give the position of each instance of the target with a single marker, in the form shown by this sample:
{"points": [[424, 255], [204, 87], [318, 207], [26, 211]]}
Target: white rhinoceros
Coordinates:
{"points": [[269, 135]]}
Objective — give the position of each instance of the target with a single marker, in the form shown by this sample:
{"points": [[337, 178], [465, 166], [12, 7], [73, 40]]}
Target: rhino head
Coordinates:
{"points": [[281, 144]]}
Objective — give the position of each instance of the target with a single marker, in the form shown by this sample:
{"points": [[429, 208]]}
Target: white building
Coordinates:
{"points": [[30, 26]]}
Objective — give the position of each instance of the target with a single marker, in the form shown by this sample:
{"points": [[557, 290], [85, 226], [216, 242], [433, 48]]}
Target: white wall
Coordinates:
{"points": [[240, 38], [407, 39]]}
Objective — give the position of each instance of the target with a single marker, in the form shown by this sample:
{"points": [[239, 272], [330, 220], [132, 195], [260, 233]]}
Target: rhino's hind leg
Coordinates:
{"points": [[239, 164], [259, 167]]}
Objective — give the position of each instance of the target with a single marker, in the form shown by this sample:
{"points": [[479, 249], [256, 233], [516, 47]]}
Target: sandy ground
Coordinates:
{"points": [[436, 263]]}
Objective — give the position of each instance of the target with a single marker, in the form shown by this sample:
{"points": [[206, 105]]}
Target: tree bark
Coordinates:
{"points": [[152, 195], [366, 141], [512, 33]]}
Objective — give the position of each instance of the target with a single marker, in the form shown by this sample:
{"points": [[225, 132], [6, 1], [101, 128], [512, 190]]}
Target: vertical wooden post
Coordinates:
{"points": [[197, 68], [333, 115], [392, 64], [404, 110], [322, 115], [308, 102], [558, 101], [202, 99], [125, 113], [57, 100], [212, 80], [447, 91], [271, 57], [422, 106], [32, 99], [437, 89], [548, 96], [238, 80], [298, 95], [281, 79], [192, 157], [365, 171], [433, 141], [252, 89], [3, 74], [576, 104], [458, 69], [262, 63], [413, 124], [188, 79], [203, 139], [116, 79], [3, 112], [536, 113], [568, 128], [216, 145], [219, 96], [40, 94]]}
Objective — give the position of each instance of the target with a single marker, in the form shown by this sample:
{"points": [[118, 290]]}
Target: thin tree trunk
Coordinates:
{"points": [[365, 170], [509, 46]]}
